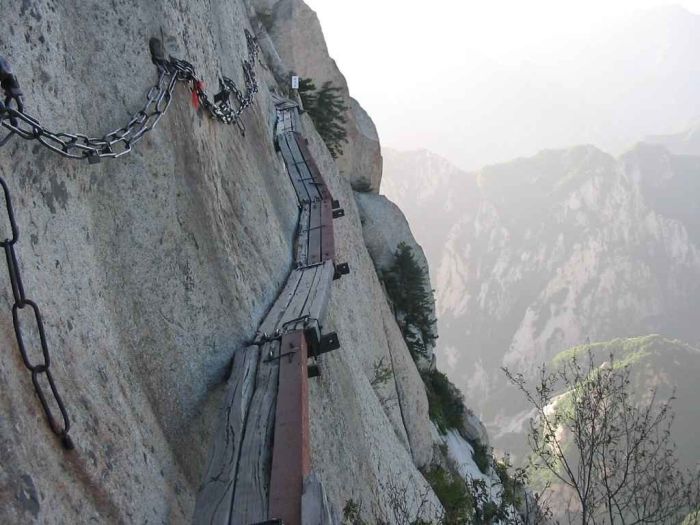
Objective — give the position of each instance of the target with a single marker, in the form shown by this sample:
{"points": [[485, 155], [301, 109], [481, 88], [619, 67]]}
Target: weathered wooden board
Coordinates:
{"points": [[302, 242], [301, 163], [252, 486], [319, 296], [213, 505], [292, 170], [291, 461], [294, 147], [271, 321], [315, 255], [283, 102], [296, 120], [285, 120], [295, 315], [246, 481], [323, 190]]}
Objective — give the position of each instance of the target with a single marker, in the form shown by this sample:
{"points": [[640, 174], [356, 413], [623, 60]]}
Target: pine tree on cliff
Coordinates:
{"points": [[409, 288], [327, 109]]}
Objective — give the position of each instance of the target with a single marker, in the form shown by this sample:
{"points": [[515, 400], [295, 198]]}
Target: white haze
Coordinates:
{"points": [[483, 82]]}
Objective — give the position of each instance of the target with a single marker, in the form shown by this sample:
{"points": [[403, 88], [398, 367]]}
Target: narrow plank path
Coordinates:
{"points": [[259, 462]]}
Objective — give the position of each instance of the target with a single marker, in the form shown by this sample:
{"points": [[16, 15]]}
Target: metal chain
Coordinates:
{"points": [[20, 303], [120, 141], [112, 145], [221, 109]]}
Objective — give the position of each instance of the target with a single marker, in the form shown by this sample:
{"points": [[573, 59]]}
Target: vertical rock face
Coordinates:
{"points": [[366, 436], [150, 270], [384, 227], [154, 269], [296, 33]]}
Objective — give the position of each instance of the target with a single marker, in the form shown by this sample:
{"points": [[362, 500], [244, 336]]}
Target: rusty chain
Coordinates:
{"points": [[120, 141], [112, 145], [20, 303]]}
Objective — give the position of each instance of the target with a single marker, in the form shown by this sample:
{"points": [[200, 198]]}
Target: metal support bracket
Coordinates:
{"points": [[329, 342], [313, 371], [340, 270], [320, 344]]}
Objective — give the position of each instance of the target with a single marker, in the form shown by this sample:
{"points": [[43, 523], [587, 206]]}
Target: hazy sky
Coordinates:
{"points": [[404, 57]]}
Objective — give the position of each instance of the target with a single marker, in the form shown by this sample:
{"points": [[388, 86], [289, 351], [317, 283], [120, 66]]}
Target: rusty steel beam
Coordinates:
{"points": [[291, 461]]}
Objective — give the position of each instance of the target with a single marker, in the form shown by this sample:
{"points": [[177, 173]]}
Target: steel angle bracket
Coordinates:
{"points": [[321, 344], [340, 270]]}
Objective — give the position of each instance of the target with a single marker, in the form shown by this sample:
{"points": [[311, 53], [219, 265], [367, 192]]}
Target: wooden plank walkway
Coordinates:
{"points": [[291, 460], [259, 463]]}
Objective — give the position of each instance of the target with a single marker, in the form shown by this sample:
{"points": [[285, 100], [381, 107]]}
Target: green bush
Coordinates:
{"points": [[512, 485], [383, 373], [481, 456], [445, 401], [327, 109], [408, 287], [453, 495], [351, 513]]}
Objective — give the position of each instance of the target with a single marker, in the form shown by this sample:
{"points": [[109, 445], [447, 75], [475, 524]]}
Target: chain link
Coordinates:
{"points": [[20, 303], [221, 108], [112, 145], [120, 141]]}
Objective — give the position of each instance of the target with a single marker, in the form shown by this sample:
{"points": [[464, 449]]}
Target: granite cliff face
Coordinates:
{"points": [[152, 270], [296, 33], [548, 252]]}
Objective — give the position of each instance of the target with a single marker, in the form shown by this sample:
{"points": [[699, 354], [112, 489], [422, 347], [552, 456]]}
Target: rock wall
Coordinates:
{"points": [[384, 227], [297, 35], [152, 270], [365, 437]]}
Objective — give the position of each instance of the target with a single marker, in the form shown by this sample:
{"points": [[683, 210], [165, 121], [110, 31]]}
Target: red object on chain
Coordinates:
{"points": [[197, 87]]}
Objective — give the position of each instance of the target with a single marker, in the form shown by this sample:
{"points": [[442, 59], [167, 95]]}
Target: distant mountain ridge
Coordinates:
{"points": [[610, 87], [545, 253]]}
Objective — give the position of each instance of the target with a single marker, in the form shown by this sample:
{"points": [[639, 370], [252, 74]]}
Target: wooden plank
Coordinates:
{"points": [[320, 295], [302, 241], [296, 311], [296, 121], [317, 304], [213, 504], [292, 171], [291, 457], [315, 233], [323, 189], [271, 321], [250, 501], [306, 175], [327, 234], [294, 147], [279, 124], [308, 181]]}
